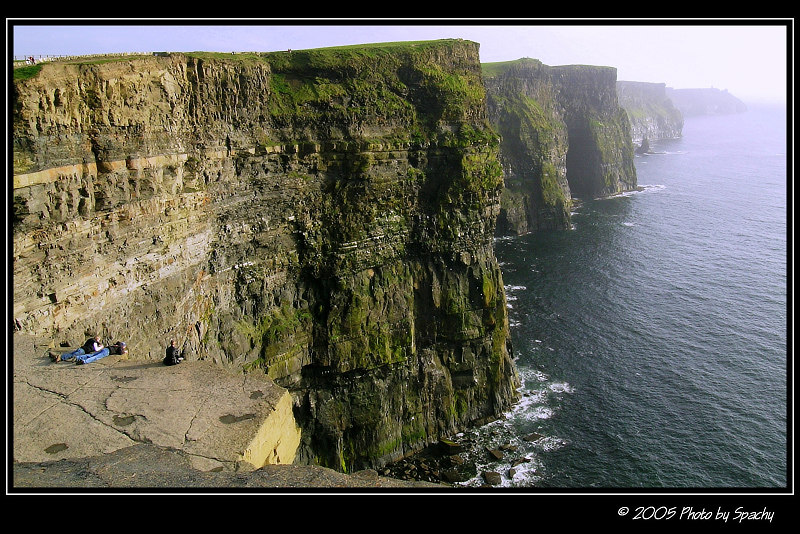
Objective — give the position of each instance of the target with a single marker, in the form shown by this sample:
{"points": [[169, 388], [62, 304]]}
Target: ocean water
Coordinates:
{"points": [[651, 338]]}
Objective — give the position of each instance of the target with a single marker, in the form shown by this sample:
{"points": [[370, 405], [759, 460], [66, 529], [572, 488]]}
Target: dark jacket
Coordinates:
{"points": [[172, 356], [88, 347]]}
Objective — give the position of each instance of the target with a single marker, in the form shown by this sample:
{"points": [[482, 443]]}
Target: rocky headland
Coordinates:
{"points": [[564, 138], [651, 112], [323, 219]]}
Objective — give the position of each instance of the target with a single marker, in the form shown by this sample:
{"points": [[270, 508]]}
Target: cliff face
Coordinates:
{"points": [[564, 136], [325, 217], [524, 107], [600, 155], [651, 113]]}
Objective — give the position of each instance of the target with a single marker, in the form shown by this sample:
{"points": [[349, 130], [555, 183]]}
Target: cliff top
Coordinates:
{"points": [[496, 69], [319, 56]]}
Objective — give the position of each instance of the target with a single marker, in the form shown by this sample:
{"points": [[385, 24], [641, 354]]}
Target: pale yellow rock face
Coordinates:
{"points": [[277, 440]]}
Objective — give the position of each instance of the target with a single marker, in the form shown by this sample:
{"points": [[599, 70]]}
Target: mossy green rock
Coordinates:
{"points": [[322, 216], [564, 137]]}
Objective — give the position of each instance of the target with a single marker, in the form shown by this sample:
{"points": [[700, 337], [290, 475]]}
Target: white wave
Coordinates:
{"points": [[561, 387], [537, 413], [530, 398], [647, 188], [550, 443], [515, 288], [534, 374]]}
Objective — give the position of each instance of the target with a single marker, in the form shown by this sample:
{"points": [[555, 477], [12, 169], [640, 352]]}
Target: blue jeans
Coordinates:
{"points": [[72, 355], [92, 357]]}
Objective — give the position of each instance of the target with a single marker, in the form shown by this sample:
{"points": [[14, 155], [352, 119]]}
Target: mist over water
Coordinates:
{"points": [[651, 338]]}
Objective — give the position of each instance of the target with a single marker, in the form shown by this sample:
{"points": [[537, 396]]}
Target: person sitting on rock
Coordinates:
{"points": [[173, 356], [92, 345]]}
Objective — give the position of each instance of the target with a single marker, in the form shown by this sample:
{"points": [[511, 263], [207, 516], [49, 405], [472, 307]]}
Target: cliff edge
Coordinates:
{"points": [[321, 217]]}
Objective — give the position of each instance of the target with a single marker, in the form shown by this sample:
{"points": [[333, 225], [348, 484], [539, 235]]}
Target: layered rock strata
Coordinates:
{"points": [[564, 137], [325, 217], [651, 112]]}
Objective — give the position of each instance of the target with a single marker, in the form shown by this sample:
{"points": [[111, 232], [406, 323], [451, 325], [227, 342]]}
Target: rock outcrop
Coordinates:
{"points": [[325, 217], [564, 137], [220, 420], [651, 113]]}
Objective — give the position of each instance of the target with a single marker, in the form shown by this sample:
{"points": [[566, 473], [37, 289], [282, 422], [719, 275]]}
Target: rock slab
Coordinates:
{"points": [[220, 420]]}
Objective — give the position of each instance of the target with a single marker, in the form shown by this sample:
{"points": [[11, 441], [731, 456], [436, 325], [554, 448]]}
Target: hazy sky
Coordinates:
{"points": [[746, 57]]}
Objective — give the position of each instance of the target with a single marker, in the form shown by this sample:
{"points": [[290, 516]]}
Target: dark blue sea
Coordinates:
{"points": [[651, 338]]}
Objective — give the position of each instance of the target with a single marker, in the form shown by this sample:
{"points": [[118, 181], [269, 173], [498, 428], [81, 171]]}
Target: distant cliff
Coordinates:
{"points": [[325, 217], [651, 113], [564, 136], [694, 102]]}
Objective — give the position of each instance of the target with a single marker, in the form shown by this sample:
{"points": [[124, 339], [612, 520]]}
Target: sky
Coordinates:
{"points": [[746, 57]]}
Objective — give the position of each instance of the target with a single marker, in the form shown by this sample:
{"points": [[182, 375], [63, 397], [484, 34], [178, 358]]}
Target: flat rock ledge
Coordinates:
{"points": [[123, 423], [149, 467]]}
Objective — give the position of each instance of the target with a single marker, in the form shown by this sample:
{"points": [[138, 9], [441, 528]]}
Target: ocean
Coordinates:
{"points": [[651, 338]]}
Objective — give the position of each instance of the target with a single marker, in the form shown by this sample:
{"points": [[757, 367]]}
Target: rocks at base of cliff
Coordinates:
{"points": [[644, 148], [448, 462]]}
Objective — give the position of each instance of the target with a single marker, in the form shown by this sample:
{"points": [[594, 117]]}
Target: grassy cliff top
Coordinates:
{"points": [[330, 52], [337, 51], [495, 69], [491, 70]]}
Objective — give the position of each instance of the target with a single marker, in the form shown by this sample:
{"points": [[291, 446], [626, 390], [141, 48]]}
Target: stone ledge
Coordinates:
{"points": [[222, 421], [149, 467]]}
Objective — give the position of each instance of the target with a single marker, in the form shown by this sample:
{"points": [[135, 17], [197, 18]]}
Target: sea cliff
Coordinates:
{"points": [[564, 137], [324, 217], [651, 112]]}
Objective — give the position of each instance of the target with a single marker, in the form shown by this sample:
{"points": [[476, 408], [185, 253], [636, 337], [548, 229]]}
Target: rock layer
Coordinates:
{"points": [[325, 217]]}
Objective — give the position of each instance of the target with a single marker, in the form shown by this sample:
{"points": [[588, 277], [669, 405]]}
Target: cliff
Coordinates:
{"points": [[564, 137], [651, 113], [324, 217], [710, 101]]}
